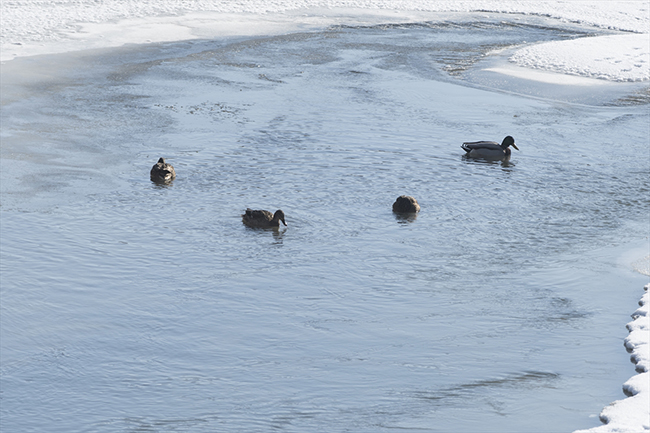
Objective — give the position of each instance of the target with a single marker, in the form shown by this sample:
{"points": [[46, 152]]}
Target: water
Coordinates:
{"points": [[128, 306]]}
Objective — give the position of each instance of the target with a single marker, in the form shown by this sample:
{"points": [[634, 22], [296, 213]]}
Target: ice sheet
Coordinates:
{"points": [[37, 27], [613, 57]]}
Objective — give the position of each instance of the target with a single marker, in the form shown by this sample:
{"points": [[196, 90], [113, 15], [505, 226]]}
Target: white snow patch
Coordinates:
{"points": [[632, 415], [612, 57], [31, 27]]}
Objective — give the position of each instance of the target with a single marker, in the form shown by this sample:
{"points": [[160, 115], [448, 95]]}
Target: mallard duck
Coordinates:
{"points": [[406, 204], [489, 149], [263, 218], [162, 172]]}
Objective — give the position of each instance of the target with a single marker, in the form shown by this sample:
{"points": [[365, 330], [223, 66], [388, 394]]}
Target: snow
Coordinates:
{"points": [[31, 27], [612, 57], [633, 413]]}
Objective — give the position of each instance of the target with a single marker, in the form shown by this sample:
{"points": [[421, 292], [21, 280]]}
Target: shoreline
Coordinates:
{"points": [[495, 72], [40, 21], [614, 53], [631, 413]]}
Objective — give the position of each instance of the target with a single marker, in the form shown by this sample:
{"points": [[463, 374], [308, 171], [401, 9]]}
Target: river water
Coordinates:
{"points": [[129, 306]]}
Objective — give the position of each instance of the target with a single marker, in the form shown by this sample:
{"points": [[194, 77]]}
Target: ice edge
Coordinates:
{"points": [[632, 414]]}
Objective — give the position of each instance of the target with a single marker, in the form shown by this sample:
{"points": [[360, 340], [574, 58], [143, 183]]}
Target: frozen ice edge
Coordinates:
{"points": [[610, 57], [32, 27], [632, 414]]}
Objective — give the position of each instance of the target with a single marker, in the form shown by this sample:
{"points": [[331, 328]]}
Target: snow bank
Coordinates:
{"points": [[633, 413], [41, 20], [32, 27], [613, 57]]}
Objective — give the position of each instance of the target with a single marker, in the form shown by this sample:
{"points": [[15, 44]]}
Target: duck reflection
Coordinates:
{"points": [[502, 161], [406, 218], [278, 235]]}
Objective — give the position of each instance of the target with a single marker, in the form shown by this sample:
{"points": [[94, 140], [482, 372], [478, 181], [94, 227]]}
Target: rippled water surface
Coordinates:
{"points": [[128, 306]]}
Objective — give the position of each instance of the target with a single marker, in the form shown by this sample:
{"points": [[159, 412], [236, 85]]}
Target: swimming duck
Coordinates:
{"points": [[263, 218], [162, 172], [489, 149], [406, 204]]}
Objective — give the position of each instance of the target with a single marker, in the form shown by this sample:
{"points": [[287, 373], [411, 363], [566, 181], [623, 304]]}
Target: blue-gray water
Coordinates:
{"points": [[132, 307]]}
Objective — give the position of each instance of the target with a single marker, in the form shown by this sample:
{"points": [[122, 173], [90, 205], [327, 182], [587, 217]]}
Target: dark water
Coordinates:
{"points": [[128, 306]]}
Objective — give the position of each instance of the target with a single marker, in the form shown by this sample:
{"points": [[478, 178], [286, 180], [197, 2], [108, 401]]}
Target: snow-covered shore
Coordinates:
{"points": [[614, 58], [31, 27], [632, 414]]}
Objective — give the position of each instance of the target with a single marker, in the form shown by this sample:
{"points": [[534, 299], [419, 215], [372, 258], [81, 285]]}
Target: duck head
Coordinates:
{"points": [[508, 141], [279, 215]]}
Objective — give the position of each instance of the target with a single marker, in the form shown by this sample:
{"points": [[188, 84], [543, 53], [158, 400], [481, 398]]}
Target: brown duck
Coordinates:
{"points": [[406, 204], [263, 218], [162, 172]]}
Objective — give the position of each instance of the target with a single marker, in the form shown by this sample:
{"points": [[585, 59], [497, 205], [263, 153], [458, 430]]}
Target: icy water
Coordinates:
{"points": [[128, 306]]}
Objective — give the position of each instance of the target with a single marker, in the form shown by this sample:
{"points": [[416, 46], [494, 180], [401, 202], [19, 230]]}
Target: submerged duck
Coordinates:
{"points": [[406, 204], [162, 172], [263, 218], [489, 149]]}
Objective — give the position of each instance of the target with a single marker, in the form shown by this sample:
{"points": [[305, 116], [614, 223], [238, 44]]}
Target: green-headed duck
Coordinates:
{"points": [[489, 149]]}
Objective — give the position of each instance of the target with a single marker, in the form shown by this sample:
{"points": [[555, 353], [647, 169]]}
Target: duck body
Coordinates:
{"points": [[263, 218], [406, 204], [489, 149], [162, 172]]}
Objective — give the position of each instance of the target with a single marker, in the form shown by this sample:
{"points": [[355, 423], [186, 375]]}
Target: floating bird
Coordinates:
{"points": [[263, 218], [406, 204], [162, 172], [489, 149]]}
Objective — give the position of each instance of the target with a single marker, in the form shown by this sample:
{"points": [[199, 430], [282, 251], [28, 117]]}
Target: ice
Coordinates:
{"points": [[638, 342], [545, 76], [32, 27], [614, 58], [633, 413]]}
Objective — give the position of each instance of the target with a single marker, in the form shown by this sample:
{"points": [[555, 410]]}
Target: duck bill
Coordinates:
{"points": [[283, 222], [515, 146]]}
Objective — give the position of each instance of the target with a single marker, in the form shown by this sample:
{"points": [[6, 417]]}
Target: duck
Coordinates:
{"points": [[406, 204], [263, 218], [489, 149], [162, 172]]}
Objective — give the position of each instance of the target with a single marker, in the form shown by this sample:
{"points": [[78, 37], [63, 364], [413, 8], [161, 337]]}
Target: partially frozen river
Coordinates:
{"points": [[128, 306]]}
